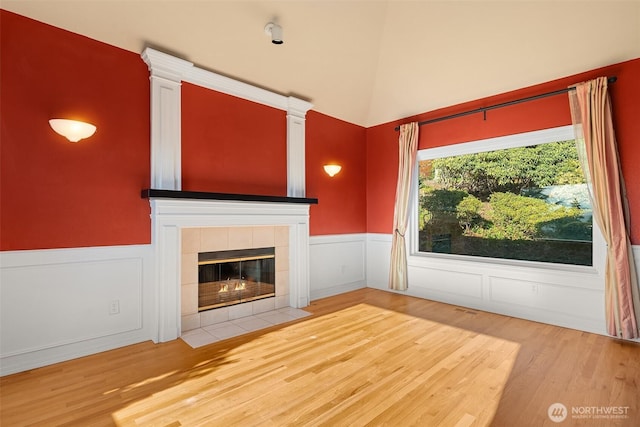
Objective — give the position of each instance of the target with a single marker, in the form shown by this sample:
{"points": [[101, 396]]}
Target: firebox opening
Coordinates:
{"points": [[233, 277]]}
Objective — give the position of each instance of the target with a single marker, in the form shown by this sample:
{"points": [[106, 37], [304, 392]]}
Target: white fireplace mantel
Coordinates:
{"points": [[169, 216]]}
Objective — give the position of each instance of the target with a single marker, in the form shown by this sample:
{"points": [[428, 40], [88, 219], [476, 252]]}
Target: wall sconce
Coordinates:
{"points": [[331, 170], [73, 130]]}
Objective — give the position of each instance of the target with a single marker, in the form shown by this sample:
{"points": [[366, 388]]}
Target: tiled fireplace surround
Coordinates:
{"points": [[183, 226], [212, 239]]}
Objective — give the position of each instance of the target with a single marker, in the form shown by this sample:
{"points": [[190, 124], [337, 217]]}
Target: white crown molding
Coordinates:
{"points": [[226, 85], [298, 107], [166, 66], [239, 89]]}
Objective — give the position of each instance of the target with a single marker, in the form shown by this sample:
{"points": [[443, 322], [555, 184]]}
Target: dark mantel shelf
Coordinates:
{"points": [[200, 195]]}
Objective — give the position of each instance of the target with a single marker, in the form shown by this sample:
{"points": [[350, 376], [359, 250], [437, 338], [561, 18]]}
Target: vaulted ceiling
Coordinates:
{"points": [[366, 62]]}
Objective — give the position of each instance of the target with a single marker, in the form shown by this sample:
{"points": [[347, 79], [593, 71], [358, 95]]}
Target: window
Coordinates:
{"points": [[521, 197]]}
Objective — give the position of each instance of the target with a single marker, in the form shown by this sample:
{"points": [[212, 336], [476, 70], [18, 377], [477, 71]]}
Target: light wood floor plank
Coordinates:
{"points": [[363, 358]]}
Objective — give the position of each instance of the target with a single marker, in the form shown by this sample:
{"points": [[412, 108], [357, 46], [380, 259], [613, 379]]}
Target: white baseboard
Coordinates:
{"points": [[60, 304]]}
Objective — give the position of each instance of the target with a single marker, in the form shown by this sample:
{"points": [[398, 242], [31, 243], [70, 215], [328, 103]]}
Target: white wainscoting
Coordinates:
{"points": [[378, 260], [568, 298], [337, 264], [58, 304], [55, 303]]}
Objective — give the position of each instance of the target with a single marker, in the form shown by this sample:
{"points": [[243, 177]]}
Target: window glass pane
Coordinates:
{"points": [[527, 203]]}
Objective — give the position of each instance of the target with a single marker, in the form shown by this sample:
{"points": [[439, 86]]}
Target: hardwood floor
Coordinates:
{"points": [[367, 357]]}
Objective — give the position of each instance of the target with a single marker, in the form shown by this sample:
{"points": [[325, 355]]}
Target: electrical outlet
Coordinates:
{"points": [[114, 307], [534, 289]]}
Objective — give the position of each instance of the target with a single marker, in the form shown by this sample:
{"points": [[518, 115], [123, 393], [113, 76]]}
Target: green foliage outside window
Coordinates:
{"points": [[510, 170], [491, 204]]}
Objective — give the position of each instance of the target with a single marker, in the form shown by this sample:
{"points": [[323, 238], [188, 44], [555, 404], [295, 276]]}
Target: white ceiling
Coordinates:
{"points": [[366, 62]]}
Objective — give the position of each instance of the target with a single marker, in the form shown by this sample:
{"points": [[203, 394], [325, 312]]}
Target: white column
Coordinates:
{"points": [[299, 293], [296, 113], [168, 282], [166, 117]]}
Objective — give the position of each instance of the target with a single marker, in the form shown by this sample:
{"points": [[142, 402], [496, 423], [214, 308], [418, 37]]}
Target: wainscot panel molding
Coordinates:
{"points": [[60, 304], [572, 298], [378, 260], [337, 264]]}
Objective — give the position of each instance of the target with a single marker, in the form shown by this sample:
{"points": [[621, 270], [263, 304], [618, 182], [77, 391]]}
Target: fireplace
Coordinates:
{"points": [[228, 278], [232, 272], [186, 224]]}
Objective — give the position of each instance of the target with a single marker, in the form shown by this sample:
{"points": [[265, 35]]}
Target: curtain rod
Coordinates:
{"points": [[504, 104]]}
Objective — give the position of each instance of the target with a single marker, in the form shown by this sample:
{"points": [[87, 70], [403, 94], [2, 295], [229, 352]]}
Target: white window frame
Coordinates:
{"points": [[562, 133]]}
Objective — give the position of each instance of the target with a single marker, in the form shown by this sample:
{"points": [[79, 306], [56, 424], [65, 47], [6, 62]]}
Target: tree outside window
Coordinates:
{"points": [[526, 203]]}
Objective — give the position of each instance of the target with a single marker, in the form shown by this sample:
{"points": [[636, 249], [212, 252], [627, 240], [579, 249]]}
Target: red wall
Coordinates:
{"points": [[382, 155], [230, 145], [55, 194], [342, 198]]}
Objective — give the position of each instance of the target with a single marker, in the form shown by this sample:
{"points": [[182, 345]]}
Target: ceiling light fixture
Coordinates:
{"points": [[275, 31], [73, 130], [332, 169]]}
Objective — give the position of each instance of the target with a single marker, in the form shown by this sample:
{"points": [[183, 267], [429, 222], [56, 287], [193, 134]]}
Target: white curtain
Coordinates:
{"points": [[595, 137], [408, 149]]}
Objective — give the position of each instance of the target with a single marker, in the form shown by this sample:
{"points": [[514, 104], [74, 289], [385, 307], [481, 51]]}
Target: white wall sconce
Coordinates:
{"points": [[275, 31], [73, 130], [332, 169]]}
